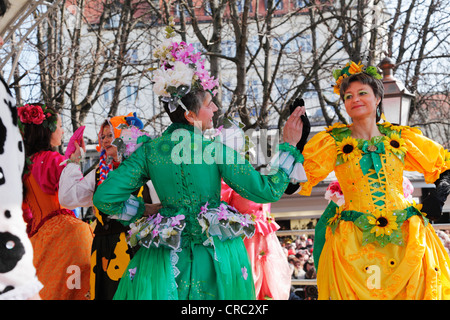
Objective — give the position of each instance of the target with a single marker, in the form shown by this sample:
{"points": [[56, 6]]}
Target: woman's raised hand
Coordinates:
{"points": [[292, 131], [79, 152]]}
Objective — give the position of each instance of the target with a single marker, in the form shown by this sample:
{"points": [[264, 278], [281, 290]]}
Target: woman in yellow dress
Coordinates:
{"points": [[378, 245]]}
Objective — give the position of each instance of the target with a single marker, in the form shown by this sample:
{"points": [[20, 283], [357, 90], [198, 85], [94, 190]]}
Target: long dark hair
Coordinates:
{"points": [[193, 102], [37, 137], [364, 78], [4, 6]]}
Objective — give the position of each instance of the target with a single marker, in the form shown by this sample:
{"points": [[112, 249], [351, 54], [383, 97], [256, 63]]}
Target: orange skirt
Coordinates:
{"points": [[62, 249]]}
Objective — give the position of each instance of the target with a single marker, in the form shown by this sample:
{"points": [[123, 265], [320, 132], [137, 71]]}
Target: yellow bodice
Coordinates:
{"points": [[405, 148], [366, 193]]}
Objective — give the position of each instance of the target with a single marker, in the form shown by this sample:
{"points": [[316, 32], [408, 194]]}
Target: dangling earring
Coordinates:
{"points": [[378, 112]]}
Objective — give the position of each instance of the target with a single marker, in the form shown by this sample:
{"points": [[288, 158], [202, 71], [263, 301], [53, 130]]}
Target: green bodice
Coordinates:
{"points": [[186, 170]]}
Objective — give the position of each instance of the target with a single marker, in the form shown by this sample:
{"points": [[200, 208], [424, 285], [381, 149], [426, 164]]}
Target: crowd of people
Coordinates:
{"points": [[300, 258], [301, 262], [183, 216]]}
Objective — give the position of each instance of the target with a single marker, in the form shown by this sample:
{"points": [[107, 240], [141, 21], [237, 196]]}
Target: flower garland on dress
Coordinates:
{"points": [[225, 222], [348, 147], [180, 71], [157, 230]]}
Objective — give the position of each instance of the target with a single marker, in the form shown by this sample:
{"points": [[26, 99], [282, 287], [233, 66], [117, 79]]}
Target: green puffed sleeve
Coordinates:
{"points": [[113, 196], [240, 175]]}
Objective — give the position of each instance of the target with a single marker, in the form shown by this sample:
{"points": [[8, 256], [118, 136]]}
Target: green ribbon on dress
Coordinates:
{"points": [[371, 155]]}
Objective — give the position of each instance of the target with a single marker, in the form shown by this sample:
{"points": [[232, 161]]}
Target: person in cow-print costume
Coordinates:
{"points": [[17, 274]]}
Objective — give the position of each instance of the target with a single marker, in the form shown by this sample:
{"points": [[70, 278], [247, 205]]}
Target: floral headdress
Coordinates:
{"points": [[350, 69], [36, 114], [180, 71]]}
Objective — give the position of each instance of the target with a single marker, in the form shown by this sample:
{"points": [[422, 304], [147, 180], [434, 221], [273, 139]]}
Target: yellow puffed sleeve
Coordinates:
{"points": [[424, 155], [320, 159]]}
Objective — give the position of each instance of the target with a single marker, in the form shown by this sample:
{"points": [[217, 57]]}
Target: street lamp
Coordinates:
{"points": [[397, 99]]}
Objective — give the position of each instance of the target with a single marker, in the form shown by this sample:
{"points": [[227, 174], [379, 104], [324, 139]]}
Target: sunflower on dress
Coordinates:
{"points": [[395, 144], [348, 148]]}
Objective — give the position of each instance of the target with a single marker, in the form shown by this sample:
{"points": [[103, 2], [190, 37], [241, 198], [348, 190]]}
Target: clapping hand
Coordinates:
{"points": [[306, 128], [293, 128]]}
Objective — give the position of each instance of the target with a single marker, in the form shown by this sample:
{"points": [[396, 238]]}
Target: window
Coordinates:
{"points": [[113, 21], [278, 4], [177, 10], [241, 4], [253, 44], [282, 86], [310, 92], [279, 40], [132, 93], [304, 43], [226, 94], [108, 92], [198, 47], [208, 10], [228, 48], [300, 43], [300, 4], [132, 55], [253, 92], [339, 37]]}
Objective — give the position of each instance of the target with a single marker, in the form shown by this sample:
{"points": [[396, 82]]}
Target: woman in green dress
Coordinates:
{"points": [[193, 248]]}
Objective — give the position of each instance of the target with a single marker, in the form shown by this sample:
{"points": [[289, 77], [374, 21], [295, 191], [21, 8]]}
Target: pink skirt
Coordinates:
{"points": [[271, 272]]}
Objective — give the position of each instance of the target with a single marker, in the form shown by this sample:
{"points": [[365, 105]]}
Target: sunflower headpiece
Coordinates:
{"points": [[352, 68]]}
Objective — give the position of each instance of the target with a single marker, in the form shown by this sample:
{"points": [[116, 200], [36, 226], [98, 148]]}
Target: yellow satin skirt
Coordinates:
{"points": [[417, 270]]}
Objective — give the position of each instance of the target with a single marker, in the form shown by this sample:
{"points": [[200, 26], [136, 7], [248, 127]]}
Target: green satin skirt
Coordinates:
{"points": [[220, 271]]}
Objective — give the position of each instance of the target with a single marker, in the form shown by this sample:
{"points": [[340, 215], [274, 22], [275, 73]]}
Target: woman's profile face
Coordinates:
{"points": [[57, 135], [205, 114], [360, 101]]}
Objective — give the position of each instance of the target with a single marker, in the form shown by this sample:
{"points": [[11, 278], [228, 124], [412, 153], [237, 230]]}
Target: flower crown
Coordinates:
{"points": [[350, 69], [180, 71], [36, 114]]}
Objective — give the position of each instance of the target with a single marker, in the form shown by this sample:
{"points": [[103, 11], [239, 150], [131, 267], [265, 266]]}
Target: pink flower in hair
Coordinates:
{"points": [[170, 75], [196, 57]]}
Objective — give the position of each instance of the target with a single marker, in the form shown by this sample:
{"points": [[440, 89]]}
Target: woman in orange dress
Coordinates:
{"points": [[61, 242]]}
